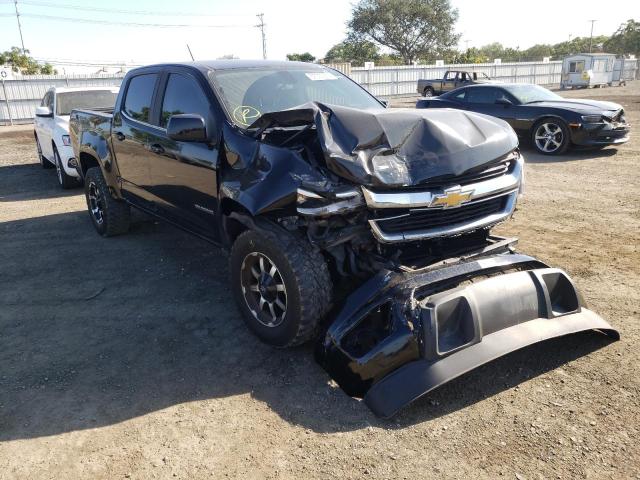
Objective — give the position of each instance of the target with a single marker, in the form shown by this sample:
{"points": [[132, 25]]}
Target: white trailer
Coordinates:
{"points": [[585, 70]]}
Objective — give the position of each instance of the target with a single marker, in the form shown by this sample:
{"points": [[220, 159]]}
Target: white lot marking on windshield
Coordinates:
{"points": [[320, 76], [244, 114]]}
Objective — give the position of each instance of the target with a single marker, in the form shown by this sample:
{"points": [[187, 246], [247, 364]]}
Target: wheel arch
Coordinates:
{"points": [[234, 220]]}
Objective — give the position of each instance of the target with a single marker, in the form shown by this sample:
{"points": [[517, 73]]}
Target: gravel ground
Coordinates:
{"points": [[126, 358]]}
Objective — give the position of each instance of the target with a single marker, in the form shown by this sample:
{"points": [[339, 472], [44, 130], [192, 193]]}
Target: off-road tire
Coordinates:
{"points": [[428, 92], [44, 163], [566, 136], [65, 181], [305, 275], [116, 214]]}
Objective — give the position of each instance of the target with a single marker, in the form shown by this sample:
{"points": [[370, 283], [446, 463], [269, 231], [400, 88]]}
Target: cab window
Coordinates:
{"points": [[137, 103], [183, 95]]}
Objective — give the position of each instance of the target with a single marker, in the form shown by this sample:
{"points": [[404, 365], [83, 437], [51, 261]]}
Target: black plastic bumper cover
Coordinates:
{"points": [[402, 335]]}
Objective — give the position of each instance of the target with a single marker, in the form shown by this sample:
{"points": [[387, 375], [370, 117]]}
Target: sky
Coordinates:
{"points": [[214, 28]]}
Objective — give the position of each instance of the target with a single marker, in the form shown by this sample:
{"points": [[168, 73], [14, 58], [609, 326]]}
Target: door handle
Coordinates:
{"points": [[157, 149], [120, 136]]}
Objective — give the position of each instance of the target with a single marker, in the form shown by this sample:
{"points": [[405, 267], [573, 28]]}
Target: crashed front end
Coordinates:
{"points": [[404, 208], [403, 334]]}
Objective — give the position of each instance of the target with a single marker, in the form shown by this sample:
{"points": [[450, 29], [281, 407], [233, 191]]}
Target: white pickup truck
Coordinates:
{"points": [[51, 126]]}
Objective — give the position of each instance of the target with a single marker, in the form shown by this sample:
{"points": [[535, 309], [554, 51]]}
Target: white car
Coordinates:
{"points": [[52, 126]]}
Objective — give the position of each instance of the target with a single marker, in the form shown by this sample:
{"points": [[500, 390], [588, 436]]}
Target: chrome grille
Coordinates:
{"points": [[427, 218]]}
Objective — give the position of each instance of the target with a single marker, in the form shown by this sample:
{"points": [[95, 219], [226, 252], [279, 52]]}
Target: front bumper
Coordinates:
{"points": [[598, 134], [68, 160], [403, 334]]}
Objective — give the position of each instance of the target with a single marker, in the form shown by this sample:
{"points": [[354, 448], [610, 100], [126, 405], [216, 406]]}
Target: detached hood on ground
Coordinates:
{"points": [[399, 147]]}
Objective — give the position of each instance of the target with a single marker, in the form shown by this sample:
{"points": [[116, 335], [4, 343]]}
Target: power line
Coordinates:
{"points": [[130, 24], [126, 12]]}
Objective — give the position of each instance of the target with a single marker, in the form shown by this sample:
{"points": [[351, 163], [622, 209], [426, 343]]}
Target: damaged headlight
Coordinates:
{"points": [[390, 169], [328, 203]]}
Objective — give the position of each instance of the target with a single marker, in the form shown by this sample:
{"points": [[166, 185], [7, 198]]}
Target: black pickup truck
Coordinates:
{"points": [[366, 227], [452, 79]]}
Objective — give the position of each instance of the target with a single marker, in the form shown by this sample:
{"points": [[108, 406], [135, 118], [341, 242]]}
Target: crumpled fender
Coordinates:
{"points": [[401, 335]]}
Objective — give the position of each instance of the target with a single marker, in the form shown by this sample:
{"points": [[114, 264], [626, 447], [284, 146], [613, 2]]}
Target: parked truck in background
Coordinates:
{"points": [[452, 79], [367, 226]]}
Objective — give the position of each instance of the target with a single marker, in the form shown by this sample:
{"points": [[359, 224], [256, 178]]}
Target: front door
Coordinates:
{"points": [[183, 175]]}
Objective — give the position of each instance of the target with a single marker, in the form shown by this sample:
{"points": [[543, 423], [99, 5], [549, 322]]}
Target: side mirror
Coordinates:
{"points": [[187, 127], [43, 112], [504, 101]]}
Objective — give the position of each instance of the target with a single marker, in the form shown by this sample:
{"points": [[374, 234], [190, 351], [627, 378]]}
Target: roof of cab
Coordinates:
{"points": [[208, 65]]}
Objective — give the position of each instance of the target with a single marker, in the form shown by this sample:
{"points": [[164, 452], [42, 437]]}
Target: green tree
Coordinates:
{"points": [[625, 40], [411, 28], [354, 51], [21, 62], [300, 57]]}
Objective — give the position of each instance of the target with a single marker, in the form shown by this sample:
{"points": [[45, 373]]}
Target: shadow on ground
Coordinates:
{"points": [[575, 153], [29, 181], [96, 331]]}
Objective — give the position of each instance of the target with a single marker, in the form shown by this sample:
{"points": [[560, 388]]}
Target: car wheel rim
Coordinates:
{"points": [[263, 289], [96, 203], [427, 93], [58, 168], [549, 137]]}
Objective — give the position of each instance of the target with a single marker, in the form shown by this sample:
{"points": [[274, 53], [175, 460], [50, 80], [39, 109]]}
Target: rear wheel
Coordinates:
{"points": [[428, 92], [109, 216], [281, 285], [550, 136], [65, 181]]}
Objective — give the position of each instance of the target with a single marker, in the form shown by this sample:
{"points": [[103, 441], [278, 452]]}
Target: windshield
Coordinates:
{"points": [[249, 93], [531, 93], [87, 100]]}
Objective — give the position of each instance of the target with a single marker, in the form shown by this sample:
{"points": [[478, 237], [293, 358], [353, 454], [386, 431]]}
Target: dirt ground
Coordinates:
{"points": [[126, 357]]}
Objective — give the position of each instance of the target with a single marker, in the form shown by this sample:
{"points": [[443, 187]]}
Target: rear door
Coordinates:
{"points": [[184, 174], [130, 134]]}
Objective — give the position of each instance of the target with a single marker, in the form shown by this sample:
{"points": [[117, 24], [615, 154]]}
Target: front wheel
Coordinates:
{"points": [[550, 136], [428, 92], [109, 215], [65, 181], [281, 285], [44, 163]]}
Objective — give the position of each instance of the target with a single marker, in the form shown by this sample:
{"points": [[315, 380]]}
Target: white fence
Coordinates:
{"points": [[20, 96], [403, 80]]}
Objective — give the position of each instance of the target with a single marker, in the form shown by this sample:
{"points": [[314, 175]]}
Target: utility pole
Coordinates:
{"points": [[591, 37], [264, 38], [466, 42], [15, 2]]}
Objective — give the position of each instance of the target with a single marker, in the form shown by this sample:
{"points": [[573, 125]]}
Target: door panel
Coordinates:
{"points": [[184, 174], [45, 133]]}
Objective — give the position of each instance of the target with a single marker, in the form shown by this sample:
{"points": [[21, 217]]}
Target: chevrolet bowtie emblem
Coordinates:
{"points": [[452, 197]]}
